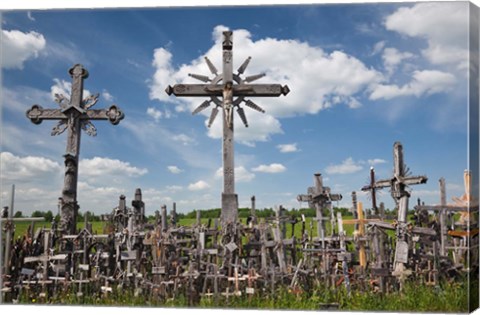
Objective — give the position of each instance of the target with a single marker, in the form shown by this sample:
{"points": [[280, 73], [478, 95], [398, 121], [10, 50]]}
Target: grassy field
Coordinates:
{"points": [[446, 298], [98, 227]]}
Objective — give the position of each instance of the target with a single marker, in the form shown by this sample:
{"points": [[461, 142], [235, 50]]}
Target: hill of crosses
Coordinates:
{"points": [[232, 257]]}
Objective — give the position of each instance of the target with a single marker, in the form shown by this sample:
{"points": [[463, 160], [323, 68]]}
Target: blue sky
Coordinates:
{"points": [[362, 76]]}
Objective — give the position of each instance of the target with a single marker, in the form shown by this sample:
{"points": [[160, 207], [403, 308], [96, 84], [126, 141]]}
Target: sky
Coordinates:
{"points": [[361, 76]]}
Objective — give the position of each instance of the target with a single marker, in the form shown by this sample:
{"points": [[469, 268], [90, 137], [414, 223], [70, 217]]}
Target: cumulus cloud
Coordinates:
{"points": [[272, 168], [444, 25], [17, 47], [320, 80], [200, 185], [174, 169], [286, 148], [423, 83], [348, 166], [241, 174], [392, 58], [99, 166], [28, 168]]}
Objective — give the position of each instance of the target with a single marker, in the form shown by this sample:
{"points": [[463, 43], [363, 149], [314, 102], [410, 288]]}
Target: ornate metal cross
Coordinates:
{"points": [[233, 90], [74, 114], [398, 184]]}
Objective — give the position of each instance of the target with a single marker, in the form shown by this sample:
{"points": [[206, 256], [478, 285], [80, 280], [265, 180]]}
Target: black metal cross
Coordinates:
{"points": [[73, 115], [233, 90]]}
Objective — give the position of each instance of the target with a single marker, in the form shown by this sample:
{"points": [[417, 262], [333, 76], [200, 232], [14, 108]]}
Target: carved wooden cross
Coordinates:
{"points": [[222, 86], [74, 114], [397, 184], [319, 197]]}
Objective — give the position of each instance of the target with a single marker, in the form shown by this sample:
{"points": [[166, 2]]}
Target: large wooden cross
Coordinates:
{"points": [[398, 184], [232, 95], [74, 115]]}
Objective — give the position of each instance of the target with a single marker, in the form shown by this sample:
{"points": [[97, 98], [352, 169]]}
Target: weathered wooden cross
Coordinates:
{"points": [[373, 190], [74, 114], [222, 85], [319, 197], [360, 233], [398, 184]]}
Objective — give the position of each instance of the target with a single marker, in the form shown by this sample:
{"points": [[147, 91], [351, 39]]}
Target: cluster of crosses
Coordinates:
{"points": [[224, 257]]}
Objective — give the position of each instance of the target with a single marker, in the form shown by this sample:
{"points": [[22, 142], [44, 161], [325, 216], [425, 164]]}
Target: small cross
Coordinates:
{"points": [[319, 197]]}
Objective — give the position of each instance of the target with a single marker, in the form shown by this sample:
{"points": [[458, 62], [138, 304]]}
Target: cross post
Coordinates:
{"points": [[232, 96], [74, 114], [397, 184]]}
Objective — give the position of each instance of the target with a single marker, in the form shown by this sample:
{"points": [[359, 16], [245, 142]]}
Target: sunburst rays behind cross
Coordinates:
{"points": [[215, 80]]}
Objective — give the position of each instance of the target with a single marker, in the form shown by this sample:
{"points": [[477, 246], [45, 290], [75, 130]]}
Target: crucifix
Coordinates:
{"points": [[319, 197], [398, 184], [232, 95], [74, 115]]}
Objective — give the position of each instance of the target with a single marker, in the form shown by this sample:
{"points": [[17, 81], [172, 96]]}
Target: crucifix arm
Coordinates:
{"points": [[415, 180], [113, 114], [37, 114], [260, 90], [195, 90]]}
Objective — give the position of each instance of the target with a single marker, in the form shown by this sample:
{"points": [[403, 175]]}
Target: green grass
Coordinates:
{"points": [[448, 298]]}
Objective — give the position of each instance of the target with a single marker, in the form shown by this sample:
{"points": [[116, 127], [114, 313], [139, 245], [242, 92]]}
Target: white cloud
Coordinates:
{"points": [[378, 47], [272, 168], [29, 168], [423, 83], [174, 188], [200, 185], [444, 25], [30, 16], [348, 166], [157, 114], [64, 88], [174, 169], [99, 166], [17, 47], [107, 96], [183, 138], [154, 113], [286, 148], [314, 77], [162, 76], [241, 174], [376, 161], [392, 58]]}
